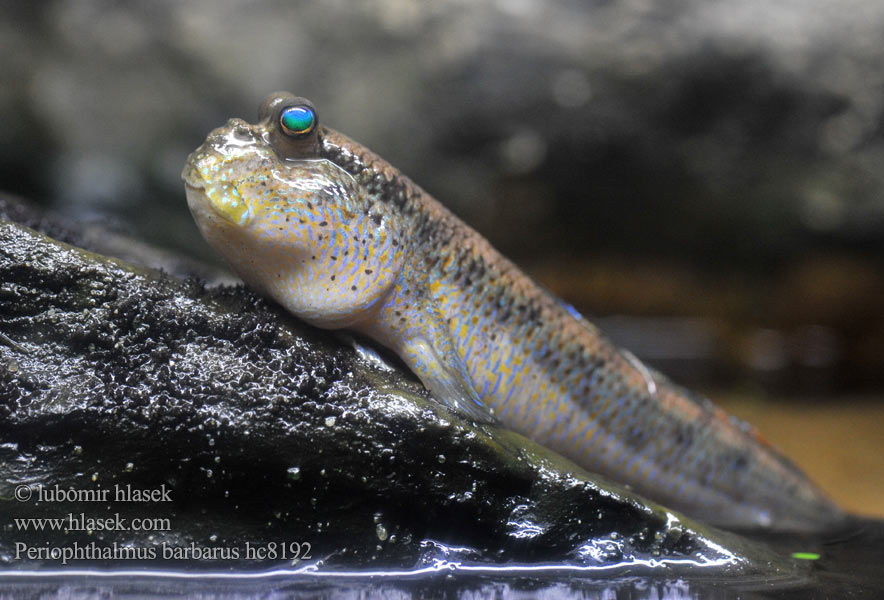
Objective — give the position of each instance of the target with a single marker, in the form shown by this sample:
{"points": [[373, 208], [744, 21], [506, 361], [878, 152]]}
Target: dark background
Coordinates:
{"points": [[704, 179]]}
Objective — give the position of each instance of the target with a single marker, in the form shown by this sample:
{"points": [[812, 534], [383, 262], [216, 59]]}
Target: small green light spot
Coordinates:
{"points": [[806, 555], [297, 120]]}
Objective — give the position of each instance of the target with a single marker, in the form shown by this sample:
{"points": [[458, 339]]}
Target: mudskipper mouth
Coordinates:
{"points": [[197, 201], [195, 189], [191, 176]]}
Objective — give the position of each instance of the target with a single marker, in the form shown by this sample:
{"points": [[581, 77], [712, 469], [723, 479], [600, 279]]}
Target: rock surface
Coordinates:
{"points": [[259, 432]]}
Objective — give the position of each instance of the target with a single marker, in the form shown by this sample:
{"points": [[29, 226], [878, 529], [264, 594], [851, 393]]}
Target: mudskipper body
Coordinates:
{"points": [[342, 239]]}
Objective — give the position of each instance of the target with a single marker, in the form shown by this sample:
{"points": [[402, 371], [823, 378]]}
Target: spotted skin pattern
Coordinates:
{"points": [[343, 240]]}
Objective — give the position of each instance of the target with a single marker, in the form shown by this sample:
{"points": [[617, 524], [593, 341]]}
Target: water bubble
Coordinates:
{"points": [[294, 473]]}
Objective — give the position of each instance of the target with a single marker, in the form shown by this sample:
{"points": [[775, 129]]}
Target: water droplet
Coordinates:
{"points": [[12, 365], [78, 450], [330, 421], [441, 458], [294, 473], [130, 467], [213, 537]]}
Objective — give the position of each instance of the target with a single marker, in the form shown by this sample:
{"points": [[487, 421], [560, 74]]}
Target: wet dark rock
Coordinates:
{"points": [[260, 431], [102, 239]]}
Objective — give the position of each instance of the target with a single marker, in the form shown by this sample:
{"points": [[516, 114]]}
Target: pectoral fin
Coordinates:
{"points": [[432, 357], [368, 353]]}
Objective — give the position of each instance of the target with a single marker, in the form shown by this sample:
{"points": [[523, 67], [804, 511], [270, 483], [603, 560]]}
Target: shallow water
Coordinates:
{"points": [[849, 566]]}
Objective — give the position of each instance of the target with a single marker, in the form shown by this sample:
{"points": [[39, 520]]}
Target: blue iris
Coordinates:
{"points": [[297, 120]]}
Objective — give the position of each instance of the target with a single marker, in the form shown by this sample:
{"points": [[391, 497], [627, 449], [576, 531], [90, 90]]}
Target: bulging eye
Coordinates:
{"points": [[297, 121]]}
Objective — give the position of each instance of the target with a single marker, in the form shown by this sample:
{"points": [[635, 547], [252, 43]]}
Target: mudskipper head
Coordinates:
{"points": [[295, 225]]}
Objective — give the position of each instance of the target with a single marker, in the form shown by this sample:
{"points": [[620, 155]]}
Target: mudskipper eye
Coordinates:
{"points": [[297, 121]]}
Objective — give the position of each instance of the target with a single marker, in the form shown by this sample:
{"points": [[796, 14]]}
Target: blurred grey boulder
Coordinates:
{"points": [[725, 132]]}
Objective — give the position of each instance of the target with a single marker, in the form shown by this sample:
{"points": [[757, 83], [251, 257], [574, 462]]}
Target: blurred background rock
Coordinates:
{"points": [[703, 178]]}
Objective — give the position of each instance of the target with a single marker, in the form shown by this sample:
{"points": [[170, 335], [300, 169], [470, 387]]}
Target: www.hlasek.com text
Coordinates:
{"points": [[82, 522]]}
